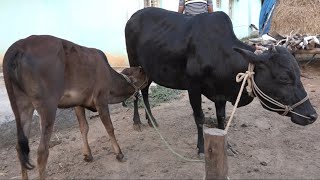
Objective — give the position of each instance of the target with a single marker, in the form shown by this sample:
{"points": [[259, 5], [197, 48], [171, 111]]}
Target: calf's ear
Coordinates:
{"points": [[251, 57]]}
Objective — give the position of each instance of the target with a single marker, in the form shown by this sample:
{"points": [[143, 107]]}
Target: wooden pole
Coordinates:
{"points": [[215, 149]]}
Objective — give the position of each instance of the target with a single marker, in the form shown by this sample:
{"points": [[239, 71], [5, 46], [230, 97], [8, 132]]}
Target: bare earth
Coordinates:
{"points": [[269, 146]]}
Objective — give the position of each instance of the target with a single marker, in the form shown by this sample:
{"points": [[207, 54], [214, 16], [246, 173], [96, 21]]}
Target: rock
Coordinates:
{"points": [[164, 171], [244, 125], [54, 143], [263, 163], [73, 139], [256, 170]]}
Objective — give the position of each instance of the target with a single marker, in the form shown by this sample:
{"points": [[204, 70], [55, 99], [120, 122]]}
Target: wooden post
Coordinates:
{"points": [[215, 149]]}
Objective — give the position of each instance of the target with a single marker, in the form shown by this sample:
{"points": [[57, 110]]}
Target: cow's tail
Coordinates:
{"points": [[10, 66]]}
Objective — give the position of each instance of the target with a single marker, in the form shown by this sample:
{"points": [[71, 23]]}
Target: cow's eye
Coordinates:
{"points": [[285, 79]]}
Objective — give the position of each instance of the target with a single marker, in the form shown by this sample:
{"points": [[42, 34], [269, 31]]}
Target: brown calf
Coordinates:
{"points": [[46, 73]]}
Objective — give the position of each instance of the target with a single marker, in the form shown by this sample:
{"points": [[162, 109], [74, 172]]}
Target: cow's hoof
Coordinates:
{"points": [[155, 123], [120, 157], [137, 127], [201, 155], [88, 158]]}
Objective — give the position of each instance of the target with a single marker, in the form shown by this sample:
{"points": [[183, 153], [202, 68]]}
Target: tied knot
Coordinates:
{"points": [[250, 74], [247, 76], [287, 109]]}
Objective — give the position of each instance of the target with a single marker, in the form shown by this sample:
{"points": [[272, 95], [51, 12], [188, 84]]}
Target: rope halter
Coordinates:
{"points": [[254, 90]]}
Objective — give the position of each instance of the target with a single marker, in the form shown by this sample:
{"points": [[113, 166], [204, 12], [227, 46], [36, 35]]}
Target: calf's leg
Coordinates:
{"points": [[84, 129], [47, 113], [26, 110], [106, 120]]}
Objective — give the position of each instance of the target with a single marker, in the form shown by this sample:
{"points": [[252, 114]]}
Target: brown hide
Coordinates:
{"points": [[44, 72]]}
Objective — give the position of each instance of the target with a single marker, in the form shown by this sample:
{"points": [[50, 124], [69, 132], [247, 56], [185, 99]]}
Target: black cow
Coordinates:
{"points": [[201, 54]]}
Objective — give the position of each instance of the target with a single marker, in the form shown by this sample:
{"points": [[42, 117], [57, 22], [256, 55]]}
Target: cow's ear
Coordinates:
{"points": [[251, 57]]}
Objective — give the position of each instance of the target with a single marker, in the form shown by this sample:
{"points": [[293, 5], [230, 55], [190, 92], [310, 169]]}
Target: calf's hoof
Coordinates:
{"points": [[120, 157], [88, 158]]}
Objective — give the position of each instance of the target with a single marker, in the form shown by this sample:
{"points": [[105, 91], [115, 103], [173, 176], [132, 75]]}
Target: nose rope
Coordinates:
{"points": [[285, 108]]}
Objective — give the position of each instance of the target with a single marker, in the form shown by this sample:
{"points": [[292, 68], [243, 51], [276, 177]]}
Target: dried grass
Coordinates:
{"points": [[296, 16]]}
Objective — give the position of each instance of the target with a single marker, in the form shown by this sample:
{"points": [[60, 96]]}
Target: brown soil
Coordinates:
{"points": [[269, 146]]}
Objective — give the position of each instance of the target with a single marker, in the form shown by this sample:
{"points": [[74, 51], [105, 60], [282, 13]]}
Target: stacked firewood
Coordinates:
{"points": [[293, 42]]}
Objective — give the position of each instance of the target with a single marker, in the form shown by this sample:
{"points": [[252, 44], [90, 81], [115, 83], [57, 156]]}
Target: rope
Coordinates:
{"points": [[166, 143], [285, 108]]}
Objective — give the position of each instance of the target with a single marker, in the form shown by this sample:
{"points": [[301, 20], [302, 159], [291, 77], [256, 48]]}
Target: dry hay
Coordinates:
{"points": [[296, 16]]}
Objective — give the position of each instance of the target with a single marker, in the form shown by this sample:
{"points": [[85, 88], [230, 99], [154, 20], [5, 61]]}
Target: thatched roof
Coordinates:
{"points": [[296, 16]]}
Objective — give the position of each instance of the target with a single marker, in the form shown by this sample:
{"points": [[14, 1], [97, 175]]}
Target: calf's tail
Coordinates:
{"points": [[10, 67]]}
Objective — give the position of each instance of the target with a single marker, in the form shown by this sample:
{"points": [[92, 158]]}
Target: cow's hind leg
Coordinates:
{"points": [[84, 129], [149, 116], [221, 113], [47, 111], [195, 101], [106, 120]]}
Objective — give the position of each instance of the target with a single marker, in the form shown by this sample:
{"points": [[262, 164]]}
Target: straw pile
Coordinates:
{"points": [[296, 16]]}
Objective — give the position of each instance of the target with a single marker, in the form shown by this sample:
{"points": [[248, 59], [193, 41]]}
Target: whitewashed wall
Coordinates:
{"points": [[94, 23]]}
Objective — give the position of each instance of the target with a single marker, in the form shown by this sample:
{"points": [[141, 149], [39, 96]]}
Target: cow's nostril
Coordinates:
{"points": [[313, 117]]}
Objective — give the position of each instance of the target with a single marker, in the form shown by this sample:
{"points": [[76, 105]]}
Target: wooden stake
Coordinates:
{"points": [[215, 149]]}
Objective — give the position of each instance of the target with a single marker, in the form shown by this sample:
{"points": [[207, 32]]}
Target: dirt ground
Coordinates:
{"points": [[269, 146]]}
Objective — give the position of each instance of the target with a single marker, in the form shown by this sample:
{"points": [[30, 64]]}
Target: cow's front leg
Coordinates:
{"points": [[136, 117], [145, 95], [84, 129], [221, 116], [221, 112], [195, 101]]}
